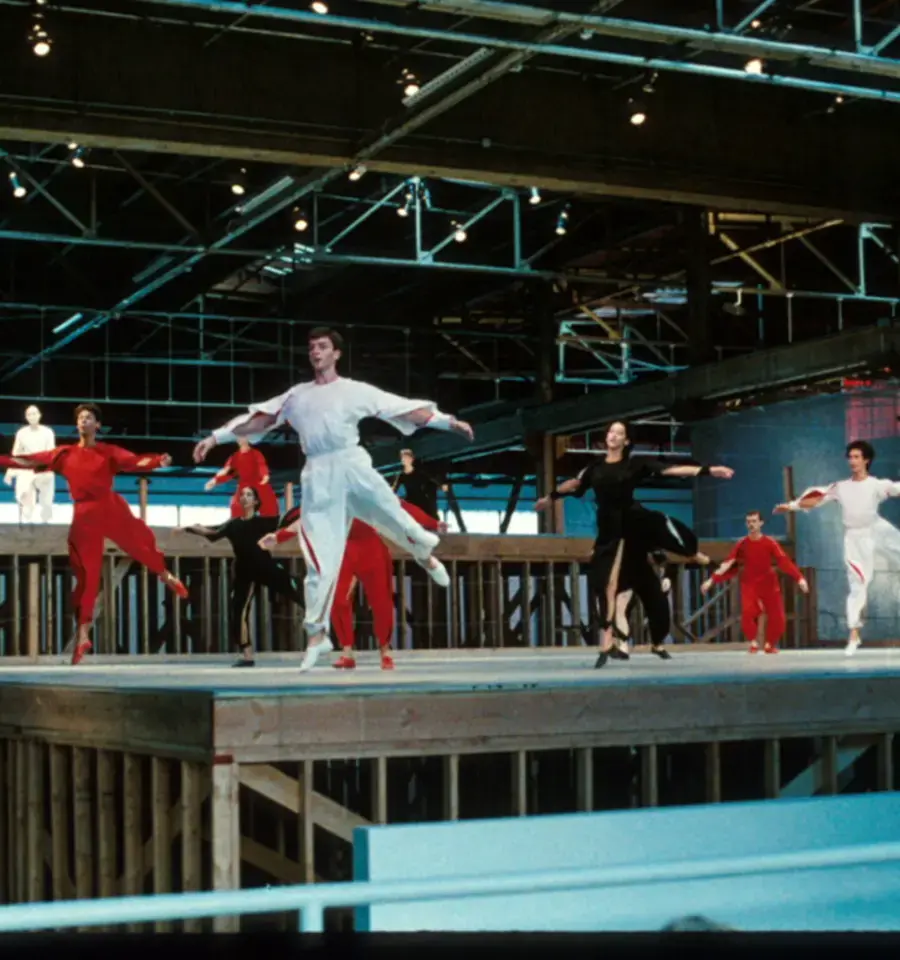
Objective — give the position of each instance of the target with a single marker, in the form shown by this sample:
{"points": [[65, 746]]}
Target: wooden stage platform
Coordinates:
{"points": [[152, 774]]}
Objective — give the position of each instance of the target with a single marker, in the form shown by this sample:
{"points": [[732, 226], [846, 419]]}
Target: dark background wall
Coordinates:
{"points": [[810, 436]]}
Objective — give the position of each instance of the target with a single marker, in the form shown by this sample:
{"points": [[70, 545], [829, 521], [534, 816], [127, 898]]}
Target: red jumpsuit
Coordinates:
{"points": [[99, 513], [368, 560], [250, 468], [760, 590]]}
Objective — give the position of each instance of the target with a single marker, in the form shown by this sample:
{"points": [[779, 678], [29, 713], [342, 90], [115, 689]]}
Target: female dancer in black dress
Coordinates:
{"points": [[252, 566], [626, 533]]}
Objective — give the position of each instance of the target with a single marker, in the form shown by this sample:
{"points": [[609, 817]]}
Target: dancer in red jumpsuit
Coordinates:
{"points": [[751, 561], [90, 469], [367, 560], [251, 470]]}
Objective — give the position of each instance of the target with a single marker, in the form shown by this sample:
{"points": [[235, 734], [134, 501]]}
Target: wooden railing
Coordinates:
{"points": [[506, 591]]}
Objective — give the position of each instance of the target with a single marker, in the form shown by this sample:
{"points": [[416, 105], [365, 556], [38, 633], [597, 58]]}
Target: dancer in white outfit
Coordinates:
{"points": [[865, 532], [32, 487], [338, 482]]}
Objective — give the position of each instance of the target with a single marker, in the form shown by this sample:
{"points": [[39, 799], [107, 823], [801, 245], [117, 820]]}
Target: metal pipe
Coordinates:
{"points": [[25, 236], [542, 17], [761, 9]]}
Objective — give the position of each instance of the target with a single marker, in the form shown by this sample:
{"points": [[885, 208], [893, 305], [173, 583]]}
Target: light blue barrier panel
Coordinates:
{"points": [[854, 897]]}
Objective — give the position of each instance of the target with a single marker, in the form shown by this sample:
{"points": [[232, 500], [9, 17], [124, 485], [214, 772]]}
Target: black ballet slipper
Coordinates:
{"points": [[244, 662], [617, 653], [661, 652], [602, 659]]}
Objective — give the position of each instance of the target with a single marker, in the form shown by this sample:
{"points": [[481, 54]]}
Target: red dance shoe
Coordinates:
{"points": [[344, 663], [754, 647], [770, 648], [387, 661], [80, 650], [175, 585]]}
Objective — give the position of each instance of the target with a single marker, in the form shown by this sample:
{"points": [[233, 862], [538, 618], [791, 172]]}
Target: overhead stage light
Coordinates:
{"points": [[535, 197], [562, 224], [637, 114], [239, 183], [357, 172], [300, 222], [39, 38], [459, 232], [78, 158], [18, 190], [319, 6], [754, 66]]}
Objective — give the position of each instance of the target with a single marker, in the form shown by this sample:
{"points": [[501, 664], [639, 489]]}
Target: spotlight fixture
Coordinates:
{"points": [[78, 158], [239, 183], [838, 100], [562, 224], [459, 232], [39, 38], [357, 173], [410, 84], [319, 6], [18, 190], [300, 221], [754, 66], [755, 24], [535, 197], [637, 115], [404, 210], [650, 86]]}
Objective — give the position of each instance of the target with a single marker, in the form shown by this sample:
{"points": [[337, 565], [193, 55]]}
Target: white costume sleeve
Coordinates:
{"points": [[274, 407], [821, 495], [17, 451], [391, 408], [888, 488]]}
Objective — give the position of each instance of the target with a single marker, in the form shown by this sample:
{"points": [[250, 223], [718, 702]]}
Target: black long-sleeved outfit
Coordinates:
{"points": [[626, 533], [252, 566], [421, 490]]}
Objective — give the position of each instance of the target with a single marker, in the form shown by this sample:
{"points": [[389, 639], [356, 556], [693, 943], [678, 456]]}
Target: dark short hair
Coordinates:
{"points": [[753, 513], [320, 333], [864, 447], [256, 498], [89, 408]]}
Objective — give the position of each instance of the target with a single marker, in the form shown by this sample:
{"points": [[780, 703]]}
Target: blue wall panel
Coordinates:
{"points": [[834, 899]]}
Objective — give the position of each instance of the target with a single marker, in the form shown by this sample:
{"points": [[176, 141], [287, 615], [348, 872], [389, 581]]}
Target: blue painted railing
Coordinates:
{"points": [[311, 900]]}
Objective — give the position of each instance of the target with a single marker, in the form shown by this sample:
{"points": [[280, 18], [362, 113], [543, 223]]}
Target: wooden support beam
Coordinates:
{"points": [[107, 852], [84, 826], [133, 829], [161, 788], [35, 836], [226, 835], [192, 776]]}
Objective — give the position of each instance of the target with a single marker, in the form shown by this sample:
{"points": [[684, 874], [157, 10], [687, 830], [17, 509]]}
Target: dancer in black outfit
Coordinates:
{"points": [[625, 532], [252, 566]]}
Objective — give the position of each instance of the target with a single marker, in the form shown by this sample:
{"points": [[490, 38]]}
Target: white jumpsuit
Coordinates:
{"points": [[31, 486], [338, 483], [865, 533]]}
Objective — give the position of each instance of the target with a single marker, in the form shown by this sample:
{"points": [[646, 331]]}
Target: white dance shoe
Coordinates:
{"points": [[436, 570], [314, 651]]}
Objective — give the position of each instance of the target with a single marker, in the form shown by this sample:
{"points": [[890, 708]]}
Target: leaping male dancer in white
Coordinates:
{"points": [[865, 532], [338, 482]]}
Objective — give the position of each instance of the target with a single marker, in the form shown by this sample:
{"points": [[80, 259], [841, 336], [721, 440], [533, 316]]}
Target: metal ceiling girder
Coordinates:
{"points": [[284, 194], [713, 41], [733, 377]]}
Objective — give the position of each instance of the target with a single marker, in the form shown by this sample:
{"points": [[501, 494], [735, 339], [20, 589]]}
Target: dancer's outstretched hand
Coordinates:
{"points": [[460, 426], [203, 448], [722, 473], [542, 504], [209, 484], [706, 586], [803, 585], [268, 542], [165, 460], [782, 508]]}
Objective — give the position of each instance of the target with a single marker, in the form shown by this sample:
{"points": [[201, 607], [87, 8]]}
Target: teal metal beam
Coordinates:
{"points": [[734, 377]]}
